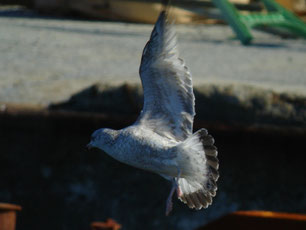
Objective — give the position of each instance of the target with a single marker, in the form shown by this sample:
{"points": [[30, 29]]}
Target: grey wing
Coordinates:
{"points": [[168, 94]]}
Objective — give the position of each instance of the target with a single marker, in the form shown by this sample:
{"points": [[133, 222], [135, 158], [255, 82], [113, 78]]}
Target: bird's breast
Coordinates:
{"points": [[147, 152]]}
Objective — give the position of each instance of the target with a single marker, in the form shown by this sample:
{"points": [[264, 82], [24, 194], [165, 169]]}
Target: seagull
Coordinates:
{"points": [[161, 140]]}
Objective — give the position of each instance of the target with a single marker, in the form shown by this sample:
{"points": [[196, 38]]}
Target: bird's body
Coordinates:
{"points": [[156, 155], [161, 140]]}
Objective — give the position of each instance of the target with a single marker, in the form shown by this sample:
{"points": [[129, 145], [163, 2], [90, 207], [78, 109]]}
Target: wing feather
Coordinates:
{"points": [[168, 93]]}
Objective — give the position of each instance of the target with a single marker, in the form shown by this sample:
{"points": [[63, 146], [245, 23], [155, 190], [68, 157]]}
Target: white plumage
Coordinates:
{"points": [[161, 140]]}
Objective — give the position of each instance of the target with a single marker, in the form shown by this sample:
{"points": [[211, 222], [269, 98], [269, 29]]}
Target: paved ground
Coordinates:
{"points": [[46, 60]]}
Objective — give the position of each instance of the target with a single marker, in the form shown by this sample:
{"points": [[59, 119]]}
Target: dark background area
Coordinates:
{"points": [[45, 168]]}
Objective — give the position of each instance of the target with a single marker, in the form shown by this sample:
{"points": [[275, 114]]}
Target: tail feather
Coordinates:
{"points": [[212, 161], [198, 191]]}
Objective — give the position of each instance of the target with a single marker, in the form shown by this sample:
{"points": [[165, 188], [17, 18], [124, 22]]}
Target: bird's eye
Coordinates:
{"points": [[95, 135]]}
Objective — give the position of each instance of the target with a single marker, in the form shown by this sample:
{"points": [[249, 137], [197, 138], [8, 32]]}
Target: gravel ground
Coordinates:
{"points": [[45, 60]]}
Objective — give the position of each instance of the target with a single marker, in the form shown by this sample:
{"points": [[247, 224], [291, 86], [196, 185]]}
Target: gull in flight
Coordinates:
{"points": [[161, 140]]}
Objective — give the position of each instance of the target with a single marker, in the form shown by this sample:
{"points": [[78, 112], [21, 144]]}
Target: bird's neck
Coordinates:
{"points": [[110, 143]]}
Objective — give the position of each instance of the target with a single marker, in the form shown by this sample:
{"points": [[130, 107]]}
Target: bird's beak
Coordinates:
{"points": [[89, 146]]}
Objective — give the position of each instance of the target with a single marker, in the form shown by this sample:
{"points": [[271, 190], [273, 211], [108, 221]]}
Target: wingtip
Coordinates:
{"points": [[162, 17], [166, 17]]}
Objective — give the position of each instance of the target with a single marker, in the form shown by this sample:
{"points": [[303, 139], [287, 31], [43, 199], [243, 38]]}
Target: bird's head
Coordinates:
{"points": [[102, 139]]}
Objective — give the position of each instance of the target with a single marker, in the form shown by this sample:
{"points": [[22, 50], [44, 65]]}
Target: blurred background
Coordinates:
{"points": [[71, 67]]}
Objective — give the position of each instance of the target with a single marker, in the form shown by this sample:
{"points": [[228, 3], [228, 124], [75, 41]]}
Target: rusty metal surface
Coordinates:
{"points": [[109, 224], [254, 220], [8, 216], [9, 207]]}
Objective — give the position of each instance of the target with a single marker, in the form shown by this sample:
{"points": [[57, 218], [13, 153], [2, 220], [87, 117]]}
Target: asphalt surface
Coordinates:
{"points": [[44, 60]]}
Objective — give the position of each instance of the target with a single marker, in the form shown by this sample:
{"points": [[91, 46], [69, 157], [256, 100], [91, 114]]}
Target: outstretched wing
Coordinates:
{"points": [[168, 95]]}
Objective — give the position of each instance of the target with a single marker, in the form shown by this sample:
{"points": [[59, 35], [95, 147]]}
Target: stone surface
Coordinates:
{"points": [[46, 60]]}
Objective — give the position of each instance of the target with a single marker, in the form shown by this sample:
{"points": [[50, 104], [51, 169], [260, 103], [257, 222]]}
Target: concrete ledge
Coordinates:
{"points": [[230, 105]]}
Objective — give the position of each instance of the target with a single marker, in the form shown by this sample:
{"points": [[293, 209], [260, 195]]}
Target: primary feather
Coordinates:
{"points": [[167, 84]]}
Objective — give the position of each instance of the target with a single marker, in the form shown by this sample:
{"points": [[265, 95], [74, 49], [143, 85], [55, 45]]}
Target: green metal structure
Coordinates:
{"points": [[276, 16]]}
